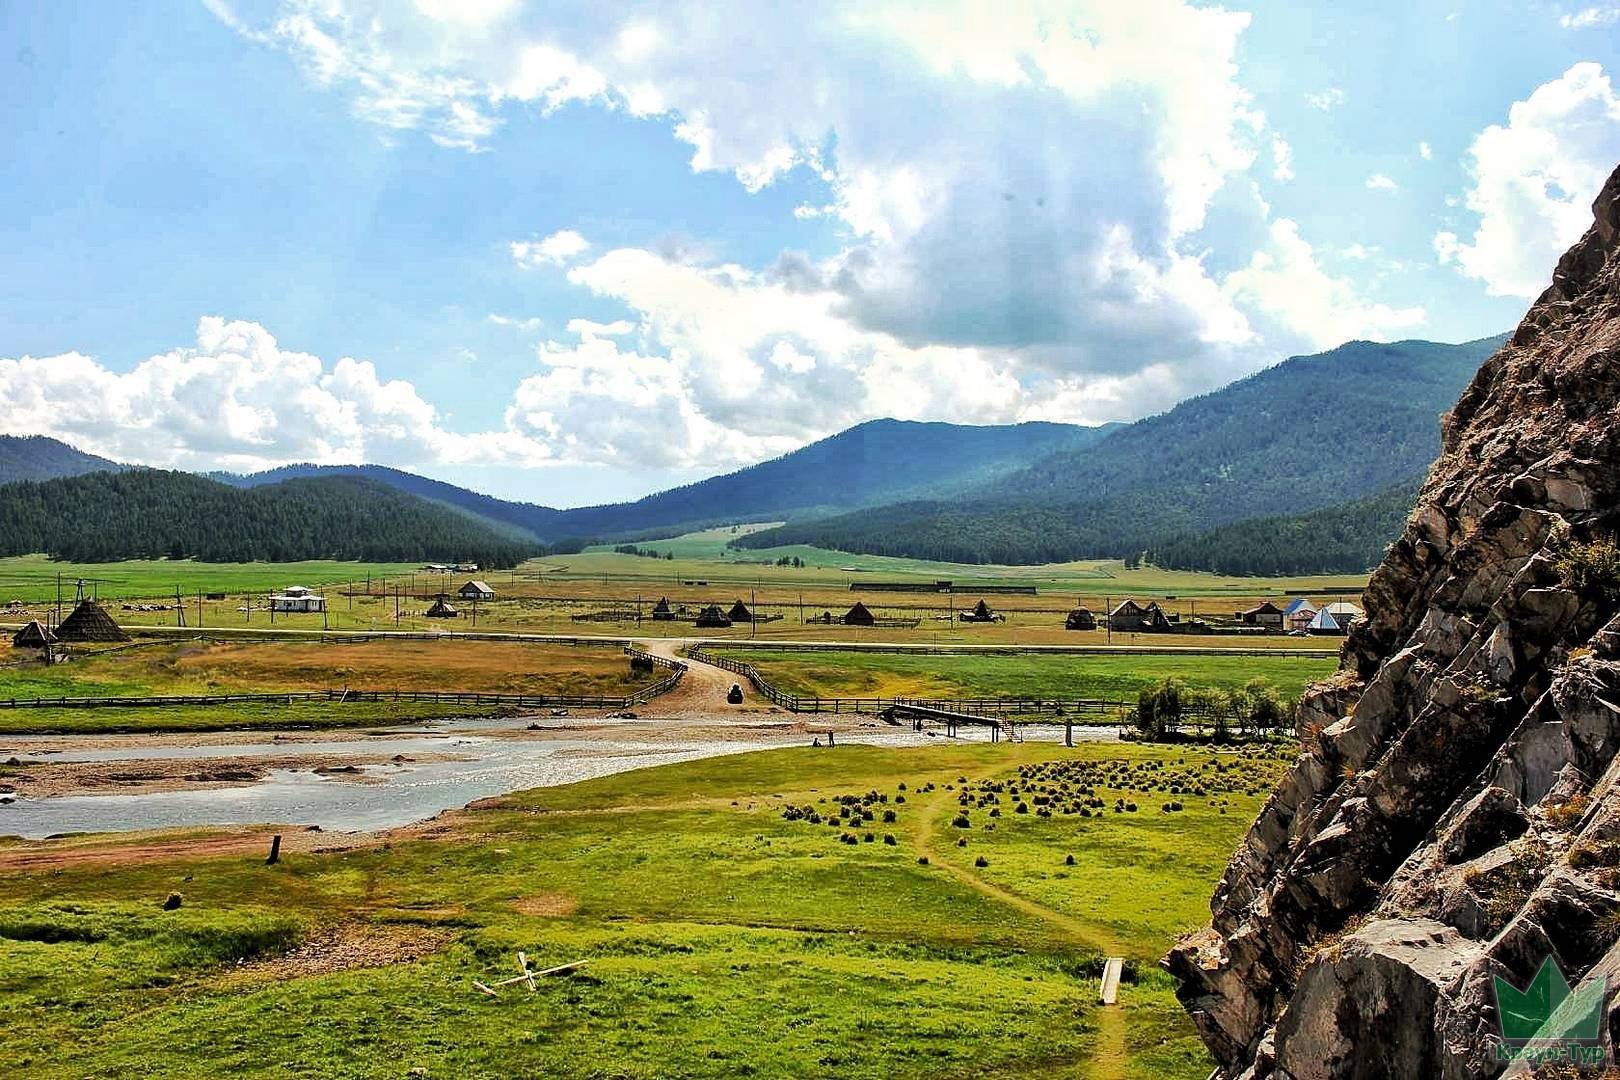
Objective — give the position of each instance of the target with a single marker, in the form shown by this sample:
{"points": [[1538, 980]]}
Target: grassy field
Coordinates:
{"points": [[33, 578], [198, 667], [732, 928], [831, 673]]}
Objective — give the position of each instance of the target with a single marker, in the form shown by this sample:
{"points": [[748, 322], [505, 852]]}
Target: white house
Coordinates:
{"points": [[476, 590], [296, 599]]}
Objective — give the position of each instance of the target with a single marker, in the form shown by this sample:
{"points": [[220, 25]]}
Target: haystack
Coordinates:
{"points": [[1080, 619], [859, 615], [33, 636], [740, 612], [441, 610], [711, 618], [89, 622], [661, 611]]}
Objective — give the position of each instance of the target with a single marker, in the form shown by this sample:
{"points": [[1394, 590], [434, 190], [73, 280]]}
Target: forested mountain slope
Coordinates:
{"points": [[37, 457]]}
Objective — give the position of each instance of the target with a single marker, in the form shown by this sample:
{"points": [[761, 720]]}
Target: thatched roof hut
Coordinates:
{"points": [[441, 610], [711, 618], [859, 615], [33, 636], [89, 622], [1080, 619], [661, 611], [740, 613]]}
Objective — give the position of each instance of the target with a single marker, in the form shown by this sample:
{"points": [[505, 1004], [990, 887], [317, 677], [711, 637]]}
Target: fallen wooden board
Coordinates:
{"points": [[1113, 968]]}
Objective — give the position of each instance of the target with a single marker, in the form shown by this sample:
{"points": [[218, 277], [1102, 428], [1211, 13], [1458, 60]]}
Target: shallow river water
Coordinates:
{"points": [[396, 793]]}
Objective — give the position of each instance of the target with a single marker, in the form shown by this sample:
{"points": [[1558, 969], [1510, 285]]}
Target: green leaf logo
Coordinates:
{"points": [[1547, 1010]]}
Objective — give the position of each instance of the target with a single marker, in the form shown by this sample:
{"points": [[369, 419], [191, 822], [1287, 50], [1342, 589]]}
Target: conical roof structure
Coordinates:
{"points": [[740, 612], [441, 610], [33, 636], [89, 622], [859, 615]]}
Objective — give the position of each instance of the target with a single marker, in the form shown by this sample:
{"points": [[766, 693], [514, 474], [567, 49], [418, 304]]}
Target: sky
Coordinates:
{"points": [[574, 253]]}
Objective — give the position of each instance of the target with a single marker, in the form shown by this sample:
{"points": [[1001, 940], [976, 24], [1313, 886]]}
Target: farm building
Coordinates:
{"points": [[1263, 614], [89, 622], [859, 615], [1131, 617], [1080, 619], [1343, 611], [661, 611], [711, 618], [981, 613], [33, 636], [476, 590], [740, 613], [295, 599], [441, 610], [1299, 613]]}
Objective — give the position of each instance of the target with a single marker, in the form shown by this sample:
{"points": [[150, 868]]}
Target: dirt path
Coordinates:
{"points": [[1108, 1059]]}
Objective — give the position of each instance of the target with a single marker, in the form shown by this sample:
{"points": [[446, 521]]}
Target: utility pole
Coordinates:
{"points": [[179, 608], [199, 609], [1108, 617], [753, 613]]}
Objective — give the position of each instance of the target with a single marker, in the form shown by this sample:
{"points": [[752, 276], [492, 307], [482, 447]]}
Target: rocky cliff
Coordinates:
{"points": [[1455, 811]]}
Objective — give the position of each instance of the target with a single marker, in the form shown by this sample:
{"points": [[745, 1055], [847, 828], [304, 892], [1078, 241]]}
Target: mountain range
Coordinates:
{"points": [[1306, 466]]}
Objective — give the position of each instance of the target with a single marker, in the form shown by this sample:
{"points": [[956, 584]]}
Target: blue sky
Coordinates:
{"points": [[571, 255]]}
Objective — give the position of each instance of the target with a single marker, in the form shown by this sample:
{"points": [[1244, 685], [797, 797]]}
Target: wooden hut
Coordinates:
{"points": [[1080, 619], [859, 615], [1264, 614], [476, 590], [89, 622], [441, 610], [981, 613], [661, 611], [712, 618], [33, 636], [1131, 617], [740, 613]]}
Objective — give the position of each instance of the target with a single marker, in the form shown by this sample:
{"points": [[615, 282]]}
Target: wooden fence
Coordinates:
{"points": [[1082, 710]]}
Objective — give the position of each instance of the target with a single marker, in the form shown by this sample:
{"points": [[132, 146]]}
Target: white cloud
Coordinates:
{"points": [[527, 325], [238, 400], [1326, 100], [1282, 158], [1285, 280], [1425, 151], [558, 248], [1533, 181], [982, 277], [1589, 17], [1380, 182]]}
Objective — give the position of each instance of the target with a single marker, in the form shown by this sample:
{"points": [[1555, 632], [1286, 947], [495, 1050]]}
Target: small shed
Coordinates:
{"points": [[33, 636], [1298, 613], [1343, 611], [1264, 613], [1080, 619], [740, 613], [441, 610], [296, 599], [859, 615], [661, 611], [90, 622], [476, 590], [711, 618], [981, 613]]}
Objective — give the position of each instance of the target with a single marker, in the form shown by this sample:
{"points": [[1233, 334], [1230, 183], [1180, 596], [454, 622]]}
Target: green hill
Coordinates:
{"points": [[148, 513], [1312, 432], [37, 457]]}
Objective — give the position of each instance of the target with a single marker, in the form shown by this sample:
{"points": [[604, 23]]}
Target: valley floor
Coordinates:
{"points": [[727, 934]]}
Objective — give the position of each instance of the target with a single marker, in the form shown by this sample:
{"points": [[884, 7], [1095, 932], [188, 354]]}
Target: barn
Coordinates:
{"points": [[1131, 617], [1265, 614]]}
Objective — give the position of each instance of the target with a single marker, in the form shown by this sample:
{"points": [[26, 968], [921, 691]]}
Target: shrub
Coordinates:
{"points": [[1567, 813], [888, 817], [922, 860], [961, 821], [1068, 860], [888, 838], [981, 862], [1592, 570]]}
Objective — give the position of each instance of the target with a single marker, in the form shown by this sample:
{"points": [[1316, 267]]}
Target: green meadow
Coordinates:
{"points": [[853, 673], [792, 913]]}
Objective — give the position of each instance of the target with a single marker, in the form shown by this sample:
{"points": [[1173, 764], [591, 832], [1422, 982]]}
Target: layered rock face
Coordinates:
{"points": [[1455, 812]]}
